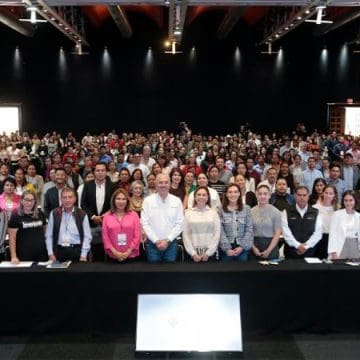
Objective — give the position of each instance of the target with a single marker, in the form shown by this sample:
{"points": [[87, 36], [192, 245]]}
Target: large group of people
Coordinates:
{"points": [[123, 198]]}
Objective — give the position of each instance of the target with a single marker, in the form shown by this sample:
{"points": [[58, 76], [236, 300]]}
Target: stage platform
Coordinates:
{"points": [[101, 297]]}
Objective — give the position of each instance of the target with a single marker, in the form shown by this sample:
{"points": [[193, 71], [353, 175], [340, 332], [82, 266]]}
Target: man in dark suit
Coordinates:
{"points": [[95, 200], [52, 196]]}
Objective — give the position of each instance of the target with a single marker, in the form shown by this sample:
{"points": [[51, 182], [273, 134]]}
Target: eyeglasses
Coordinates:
{"points": [[29, 200]]}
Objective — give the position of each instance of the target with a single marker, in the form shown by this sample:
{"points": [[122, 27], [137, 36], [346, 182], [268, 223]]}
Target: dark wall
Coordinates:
{"points": [[210, 92]]}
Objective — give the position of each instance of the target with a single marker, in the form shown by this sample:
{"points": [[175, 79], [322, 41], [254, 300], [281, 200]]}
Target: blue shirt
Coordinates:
{"points": [[68, 229]]}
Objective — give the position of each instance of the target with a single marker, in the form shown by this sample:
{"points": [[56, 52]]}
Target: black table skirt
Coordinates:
{"points": [[102, 297]]}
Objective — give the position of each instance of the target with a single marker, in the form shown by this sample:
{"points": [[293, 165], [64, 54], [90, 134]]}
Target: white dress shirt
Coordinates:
{"points": [[290, 238], [162, 219], [100, 196]]}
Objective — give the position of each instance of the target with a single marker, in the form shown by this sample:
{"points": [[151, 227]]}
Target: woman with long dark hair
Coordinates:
{"points": [[317, 190], [236, 226]]}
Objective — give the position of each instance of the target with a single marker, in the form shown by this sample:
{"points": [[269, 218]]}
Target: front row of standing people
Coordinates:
{"points": [[233, 233]]}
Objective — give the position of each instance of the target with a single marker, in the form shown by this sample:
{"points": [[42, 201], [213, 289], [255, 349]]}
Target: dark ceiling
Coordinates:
{"points": [[88, 23]]}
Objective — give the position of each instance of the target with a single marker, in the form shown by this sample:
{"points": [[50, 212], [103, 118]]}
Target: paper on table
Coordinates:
{"points": [[269, 262], [313, 260], [44, 263], [22, 264], [353, 263], [264, 262]]}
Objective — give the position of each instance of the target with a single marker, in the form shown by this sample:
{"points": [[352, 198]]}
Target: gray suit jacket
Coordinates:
{"points": [[356, 174]]}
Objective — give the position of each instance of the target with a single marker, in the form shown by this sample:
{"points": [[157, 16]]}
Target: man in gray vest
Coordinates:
{"points": [[301, 226], [68, 234]]}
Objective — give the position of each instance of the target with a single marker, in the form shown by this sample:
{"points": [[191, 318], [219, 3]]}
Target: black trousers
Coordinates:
{"points": [[97, 252], [72, 253], [290, 253], [321, 248]]}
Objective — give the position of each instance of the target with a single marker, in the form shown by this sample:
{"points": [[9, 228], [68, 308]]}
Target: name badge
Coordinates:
{"points": [[122, 239]]}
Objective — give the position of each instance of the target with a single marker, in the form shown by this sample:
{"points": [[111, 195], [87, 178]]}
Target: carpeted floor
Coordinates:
{"points": [[259, 347]]}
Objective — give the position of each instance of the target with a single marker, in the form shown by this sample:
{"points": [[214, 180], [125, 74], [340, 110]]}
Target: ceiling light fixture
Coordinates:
{"points": [[177, 14], [33, 19], [173, 50], [269, 50], [79, 49], [289, 20], [320, 13]]}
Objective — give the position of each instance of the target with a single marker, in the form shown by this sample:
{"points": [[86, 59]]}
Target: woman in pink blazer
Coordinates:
{"points": [[121, 229], [9, 201]]}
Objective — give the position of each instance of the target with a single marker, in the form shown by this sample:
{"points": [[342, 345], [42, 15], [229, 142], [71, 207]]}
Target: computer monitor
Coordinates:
{"points": [[188, 322]]}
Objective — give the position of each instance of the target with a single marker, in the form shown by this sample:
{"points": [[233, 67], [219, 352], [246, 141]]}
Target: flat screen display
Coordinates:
{"points": [[352, 121], [188, 322], [9, 119]]}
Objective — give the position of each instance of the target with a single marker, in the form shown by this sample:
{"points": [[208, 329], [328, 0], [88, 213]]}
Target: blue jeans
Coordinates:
{"points": [[243, 256], [153, 254]]}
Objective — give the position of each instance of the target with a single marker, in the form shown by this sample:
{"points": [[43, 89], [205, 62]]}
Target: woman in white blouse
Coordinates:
{"points": [[326, 204], [344, 235], [201, 233]]}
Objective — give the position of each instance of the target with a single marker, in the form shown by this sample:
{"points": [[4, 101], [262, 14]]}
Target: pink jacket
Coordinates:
{"points": [[128, 225], [16, 202]]}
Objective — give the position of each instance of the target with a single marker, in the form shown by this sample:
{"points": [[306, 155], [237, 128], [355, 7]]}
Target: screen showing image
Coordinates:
{"points": [[352, 121], [9, 119], [191, 322]]}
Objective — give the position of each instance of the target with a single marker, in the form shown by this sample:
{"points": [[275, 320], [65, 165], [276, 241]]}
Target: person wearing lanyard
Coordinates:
{"points": [[68, 234], [121, 230]]}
